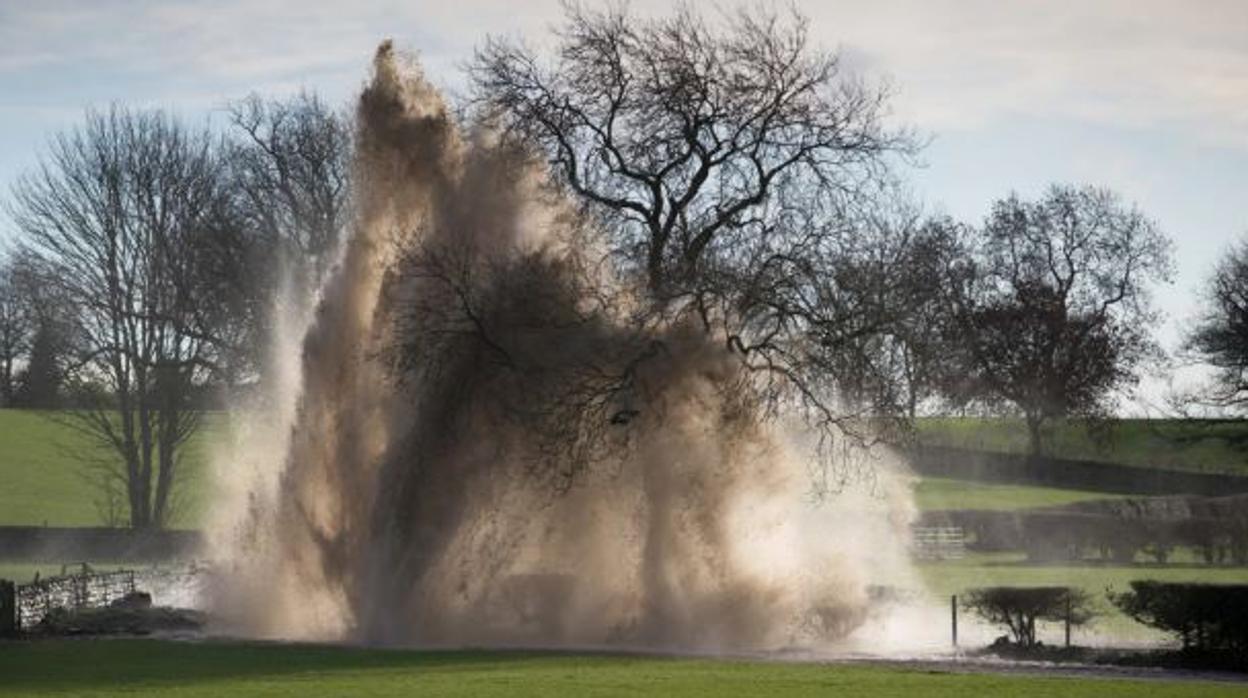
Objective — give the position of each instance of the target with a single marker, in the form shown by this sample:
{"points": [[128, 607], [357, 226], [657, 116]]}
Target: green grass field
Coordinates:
{"points": [[936, 493], [43, 484], [44, 474], [1209, 446], [136, 668], [1012, 569], [41, 465]]}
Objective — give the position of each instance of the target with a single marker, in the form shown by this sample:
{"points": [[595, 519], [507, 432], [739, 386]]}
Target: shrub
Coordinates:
{"points": [[1201, 616], [1209, 538], [1018, 608]]}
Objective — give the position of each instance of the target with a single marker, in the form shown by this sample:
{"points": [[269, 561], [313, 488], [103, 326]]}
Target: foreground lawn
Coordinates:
{"points": [[155, 668], [937, 493], [43, 476]]}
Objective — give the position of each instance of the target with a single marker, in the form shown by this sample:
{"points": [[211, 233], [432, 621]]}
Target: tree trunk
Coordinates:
{"points": [[1035, 435], [6, 387], [169, 388]]}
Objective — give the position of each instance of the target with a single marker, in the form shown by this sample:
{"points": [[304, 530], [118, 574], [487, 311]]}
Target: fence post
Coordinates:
{"points": [[953, 613], [8, 609], [1068, 620]]}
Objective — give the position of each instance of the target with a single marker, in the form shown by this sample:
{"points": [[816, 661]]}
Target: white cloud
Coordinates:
{"points": [[962, 64], [959, 64]]}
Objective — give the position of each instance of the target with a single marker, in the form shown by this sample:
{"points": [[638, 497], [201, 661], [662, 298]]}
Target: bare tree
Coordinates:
{"points": [[1220, 336], [729, 164], [52, 334], [117, 212], [937, 266], [1057, 316], [900, 271], [291, 169], [16, 328], [1018, 608]]}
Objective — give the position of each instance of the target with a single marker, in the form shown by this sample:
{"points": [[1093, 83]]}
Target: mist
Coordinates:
{"points": [[410, 486]]}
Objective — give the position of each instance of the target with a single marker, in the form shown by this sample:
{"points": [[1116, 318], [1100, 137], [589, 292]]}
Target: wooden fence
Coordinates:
{"points": [[938, 543]]}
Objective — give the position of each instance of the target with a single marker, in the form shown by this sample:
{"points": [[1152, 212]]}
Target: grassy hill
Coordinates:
{"points": [[938, 493], [42, 467], [164, 668], [43, 471], [41, 480], [45, 476], [1205, 446]]}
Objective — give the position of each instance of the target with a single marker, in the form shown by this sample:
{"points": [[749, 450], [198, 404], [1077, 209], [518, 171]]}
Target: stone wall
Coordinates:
{"points": [[85, 590]]}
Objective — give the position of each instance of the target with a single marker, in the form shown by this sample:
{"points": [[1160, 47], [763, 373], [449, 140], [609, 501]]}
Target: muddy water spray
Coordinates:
{"points": [[399, 505]]}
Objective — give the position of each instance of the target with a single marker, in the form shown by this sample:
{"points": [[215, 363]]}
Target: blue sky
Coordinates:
{"points": [[1149, 98]]}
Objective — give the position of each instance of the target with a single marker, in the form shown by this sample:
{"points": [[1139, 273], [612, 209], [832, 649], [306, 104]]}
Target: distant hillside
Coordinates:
{"points": [[41, 473], [943, 494], [43, 478], [978, 466], [1202, 446]]}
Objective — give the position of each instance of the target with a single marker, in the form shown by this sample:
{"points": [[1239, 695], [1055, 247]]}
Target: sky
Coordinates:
{"points": [[1147, 98]]}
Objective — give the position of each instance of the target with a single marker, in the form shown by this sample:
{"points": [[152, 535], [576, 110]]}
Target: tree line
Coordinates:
{"points": [[148, 255], [743, 180]]}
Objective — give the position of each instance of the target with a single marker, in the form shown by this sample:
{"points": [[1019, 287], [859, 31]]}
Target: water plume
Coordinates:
{"points": [[484, 447]]}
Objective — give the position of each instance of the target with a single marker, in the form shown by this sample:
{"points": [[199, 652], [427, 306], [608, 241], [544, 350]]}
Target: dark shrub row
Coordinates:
{"points": [[1117, 530], [1210, 620], [1072, 536], [1205, 617]]}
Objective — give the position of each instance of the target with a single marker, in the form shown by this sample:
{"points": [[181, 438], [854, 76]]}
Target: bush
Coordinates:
{"points": [[1067, 535], [1113, 530], [1209, 538], [1202, 616], [1018, 608]]}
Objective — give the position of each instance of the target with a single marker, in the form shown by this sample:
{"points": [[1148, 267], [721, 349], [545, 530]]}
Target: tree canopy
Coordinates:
{"points": [[1057, 315], [732, 166], [1220, 336]]}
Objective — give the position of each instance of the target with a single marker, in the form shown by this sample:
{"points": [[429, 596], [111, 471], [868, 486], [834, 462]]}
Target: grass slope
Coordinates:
{"points": [[936, 493], [1012, 569], [1207, 446], [43, 475], [137, 668]]}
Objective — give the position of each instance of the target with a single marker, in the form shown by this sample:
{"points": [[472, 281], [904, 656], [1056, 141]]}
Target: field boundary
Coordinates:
{"points": [[35, 543], [1087, 475]]}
